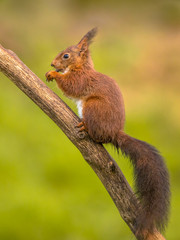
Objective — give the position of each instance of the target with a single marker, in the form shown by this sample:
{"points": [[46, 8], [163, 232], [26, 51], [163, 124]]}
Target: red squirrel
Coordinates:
{"points": [[101, 109]]}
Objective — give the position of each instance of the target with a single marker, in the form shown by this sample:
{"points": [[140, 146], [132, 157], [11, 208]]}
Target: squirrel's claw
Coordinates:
{"points": [[49, 76], [82, 131], [81, 127]]}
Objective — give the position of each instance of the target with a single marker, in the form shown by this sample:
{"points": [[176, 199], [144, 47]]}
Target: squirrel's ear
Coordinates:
{"points": [[83, 45], [87, 40]]}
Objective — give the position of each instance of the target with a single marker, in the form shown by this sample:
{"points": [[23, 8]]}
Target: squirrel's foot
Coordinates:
{"points": [[81, 126], [50, 75], [82, 131]]}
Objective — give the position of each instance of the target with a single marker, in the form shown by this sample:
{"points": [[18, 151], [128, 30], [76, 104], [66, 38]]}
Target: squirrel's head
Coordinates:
{"points": [[76, 56]]}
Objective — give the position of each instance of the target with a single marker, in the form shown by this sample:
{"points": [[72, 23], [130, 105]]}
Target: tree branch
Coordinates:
{"points": [[95, 154]]}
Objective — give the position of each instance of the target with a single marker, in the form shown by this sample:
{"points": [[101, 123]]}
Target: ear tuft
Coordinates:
{"points": [[87, 39], [91, 34]]}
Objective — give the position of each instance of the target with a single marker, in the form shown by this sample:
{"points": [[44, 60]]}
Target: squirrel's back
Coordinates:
{"points": [[103, 108]]}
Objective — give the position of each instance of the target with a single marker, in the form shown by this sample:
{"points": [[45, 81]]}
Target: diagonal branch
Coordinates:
{"points": [[95, 154]]}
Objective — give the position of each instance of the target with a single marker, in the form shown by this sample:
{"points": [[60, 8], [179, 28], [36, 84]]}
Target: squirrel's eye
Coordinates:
{"points": [[66, 55]]}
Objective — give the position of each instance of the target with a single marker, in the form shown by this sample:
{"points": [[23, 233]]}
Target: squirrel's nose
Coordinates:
{"points": [[52, 65]]}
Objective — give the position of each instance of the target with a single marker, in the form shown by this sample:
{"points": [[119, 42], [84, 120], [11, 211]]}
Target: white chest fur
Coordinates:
{"points": [[79, 107]]}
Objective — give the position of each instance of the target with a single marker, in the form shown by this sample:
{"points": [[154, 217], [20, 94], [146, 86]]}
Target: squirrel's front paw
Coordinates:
{"points": [[50, 75]]}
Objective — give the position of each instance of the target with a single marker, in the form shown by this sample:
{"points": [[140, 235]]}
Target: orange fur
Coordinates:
{"points": [[103, 117]]}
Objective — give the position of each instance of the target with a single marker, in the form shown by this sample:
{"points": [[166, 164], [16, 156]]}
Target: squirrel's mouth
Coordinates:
{"points": [[59, 70], [62, 70]]}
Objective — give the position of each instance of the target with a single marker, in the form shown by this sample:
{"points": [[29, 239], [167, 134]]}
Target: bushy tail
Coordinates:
{"points": [[152, 182]]}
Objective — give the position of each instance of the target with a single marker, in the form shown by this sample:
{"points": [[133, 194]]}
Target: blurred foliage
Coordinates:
{"points": [[47, 191]]}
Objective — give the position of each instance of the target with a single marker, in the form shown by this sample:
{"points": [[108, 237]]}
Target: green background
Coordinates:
{"points": [[47, 190]]}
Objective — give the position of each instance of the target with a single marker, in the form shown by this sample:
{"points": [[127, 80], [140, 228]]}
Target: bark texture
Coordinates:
{"points": [[95, 154]]}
